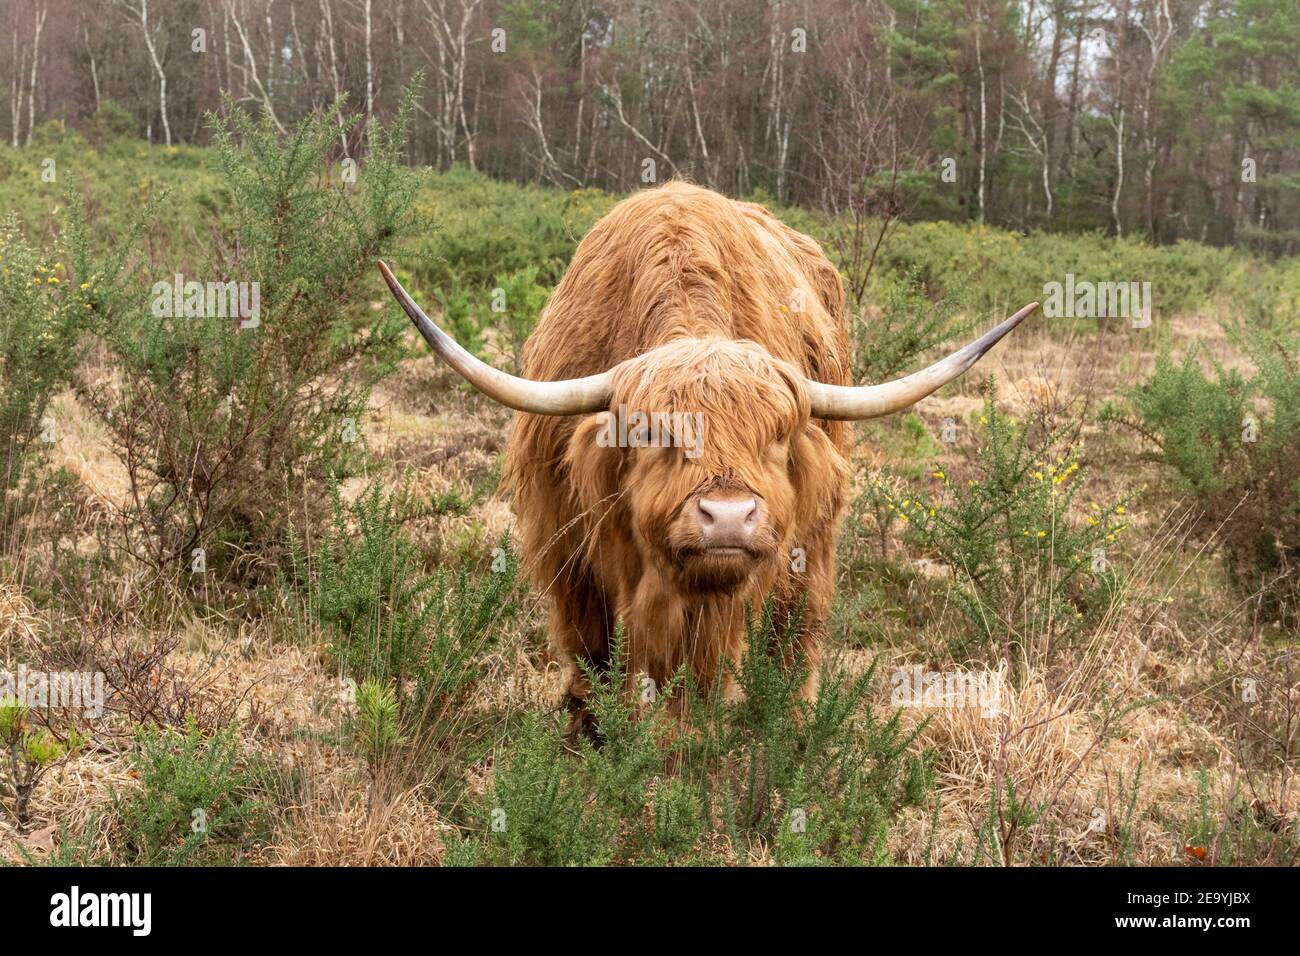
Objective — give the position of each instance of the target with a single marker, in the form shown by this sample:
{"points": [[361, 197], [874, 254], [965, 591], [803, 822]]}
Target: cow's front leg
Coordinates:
{"points": [[580, 635], [807, 596]]}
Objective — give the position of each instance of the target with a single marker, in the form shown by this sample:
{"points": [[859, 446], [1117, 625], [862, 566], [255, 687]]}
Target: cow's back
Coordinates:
{"points": [[680, 261]]}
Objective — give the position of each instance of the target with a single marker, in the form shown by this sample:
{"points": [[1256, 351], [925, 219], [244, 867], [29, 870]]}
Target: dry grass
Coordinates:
{"points": [[83, 449], [18, 621], [341, 823]]}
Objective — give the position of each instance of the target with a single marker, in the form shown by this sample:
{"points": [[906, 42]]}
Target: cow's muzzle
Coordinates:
{"points": [[728, 523]]}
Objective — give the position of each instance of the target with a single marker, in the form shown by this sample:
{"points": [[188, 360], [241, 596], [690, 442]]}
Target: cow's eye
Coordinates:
{"points": [[660, 455]]}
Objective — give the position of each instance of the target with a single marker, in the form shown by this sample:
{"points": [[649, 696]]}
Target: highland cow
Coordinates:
{"points": [[684, 311]]}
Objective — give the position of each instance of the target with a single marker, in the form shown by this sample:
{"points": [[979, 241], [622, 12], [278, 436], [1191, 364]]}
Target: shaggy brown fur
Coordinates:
{"points": [[699, 290]]}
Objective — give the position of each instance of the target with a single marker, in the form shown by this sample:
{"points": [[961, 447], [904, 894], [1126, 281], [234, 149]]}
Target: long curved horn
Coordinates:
{"points": [[572, 396], [854, 403]]}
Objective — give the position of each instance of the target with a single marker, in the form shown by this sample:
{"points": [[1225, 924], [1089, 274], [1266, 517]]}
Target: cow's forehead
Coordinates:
{"points": [[735, 382], [728, 405]]}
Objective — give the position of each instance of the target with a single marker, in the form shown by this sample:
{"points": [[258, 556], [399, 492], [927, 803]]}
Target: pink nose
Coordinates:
{"points": [[728, 522]]}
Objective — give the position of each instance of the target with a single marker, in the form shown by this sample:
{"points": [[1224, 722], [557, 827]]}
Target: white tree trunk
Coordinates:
{"points": [[250, 64], [15, 91], [370, 75], [1119, 173], [327, 26], [94, 70], [979, 62], [140, 12], [36, 56]]}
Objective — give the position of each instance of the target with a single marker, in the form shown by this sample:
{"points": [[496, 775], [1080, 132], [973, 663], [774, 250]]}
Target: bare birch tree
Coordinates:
{"points": [[139, 11]]}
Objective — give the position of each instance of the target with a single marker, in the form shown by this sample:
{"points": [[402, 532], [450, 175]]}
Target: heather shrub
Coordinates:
{"points": [[1030, 563], [229, 419], [809, 784], [1231, 440]]}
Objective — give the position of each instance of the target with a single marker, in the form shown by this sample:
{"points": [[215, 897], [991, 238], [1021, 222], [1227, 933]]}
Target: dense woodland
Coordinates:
{"points": [[1163, 118]]}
